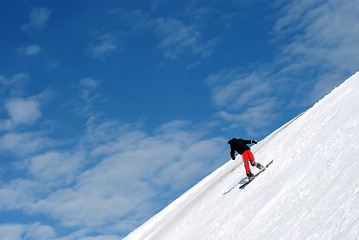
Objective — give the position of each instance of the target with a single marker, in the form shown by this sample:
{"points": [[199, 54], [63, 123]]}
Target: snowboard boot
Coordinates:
{"points": [[260, 166], [250, 175]]}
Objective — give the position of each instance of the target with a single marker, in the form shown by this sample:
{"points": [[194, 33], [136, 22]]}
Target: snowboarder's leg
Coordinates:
{"points": [[253, 162], [246, 161], [251, 158]]}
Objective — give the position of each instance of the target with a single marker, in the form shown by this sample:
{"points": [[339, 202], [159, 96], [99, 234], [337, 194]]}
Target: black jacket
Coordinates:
{"points": [[239, 145]]}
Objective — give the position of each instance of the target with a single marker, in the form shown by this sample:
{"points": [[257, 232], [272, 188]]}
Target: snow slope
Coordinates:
{"points": [[311, 191]]}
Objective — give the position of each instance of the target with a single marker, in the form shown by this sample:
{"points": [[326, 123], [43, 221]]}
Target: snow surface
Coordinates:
{"points": [[311, 191]]}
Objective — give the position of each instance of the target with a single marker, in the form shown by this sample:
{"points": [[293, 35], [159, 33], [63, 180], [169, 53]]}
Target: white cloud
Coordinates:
{"points": [[194, 160], [38, 231], [26, 231], [89, 83], [316, 49], [87, 95], [14, 85], [23, 111], [20, 194], [137, 19], [321, 35], [6, 124], [232, 89], [88, 89], [105, 46], [253, 118], [132, 169], [23, 144], [30, 50], [39, 18], [14, 79], [244, 101], [179, 39], [11, 231], [55, 167], [104, 237]]}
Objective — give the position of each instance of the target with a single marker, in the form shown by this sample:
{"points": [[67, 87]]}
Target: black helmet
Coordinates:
{"points": [[232, 140]]}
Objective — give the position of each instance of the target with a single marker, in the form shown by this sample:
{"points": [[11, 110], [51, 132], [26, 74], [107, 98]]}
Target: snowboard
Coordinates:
{"points": [[246, 183]]}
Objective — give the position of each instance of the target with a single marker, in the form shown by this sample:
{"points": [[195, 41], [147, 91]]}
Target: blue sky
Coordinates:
{"points": [[110, 110]]}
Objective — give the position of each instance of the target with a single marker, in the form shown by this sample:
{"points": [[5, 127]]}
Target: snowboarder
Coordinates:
{"points": [[240, 145]]}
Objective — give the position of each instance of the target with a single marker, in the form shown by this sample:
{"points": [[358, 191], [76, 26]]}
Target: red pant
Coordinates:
{"points": [[248, 157]]}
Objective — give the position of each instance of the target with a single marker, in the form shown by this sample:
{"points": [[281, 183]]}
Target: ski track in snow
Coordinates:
{"points": [[311, 191]]}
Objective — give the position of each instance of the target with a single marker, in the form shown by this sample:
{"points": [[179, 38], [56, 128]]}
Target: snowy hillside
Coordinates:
{"points": [[311, 191]]}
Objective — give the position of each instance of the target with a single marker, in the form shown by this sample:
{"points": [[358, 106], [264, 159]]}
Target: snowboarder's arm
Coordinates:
{"points": [[232, 154], [250, 141]]}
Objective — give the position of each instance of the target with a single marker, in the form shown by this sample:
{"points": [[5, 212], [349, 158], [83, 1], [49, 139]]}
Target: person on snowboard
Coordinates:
{"points": [[240, 145]]}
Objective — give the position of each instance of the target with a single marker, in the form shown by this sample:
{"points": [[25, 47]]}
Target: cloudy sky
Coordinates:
{"points": [[110, 110]]}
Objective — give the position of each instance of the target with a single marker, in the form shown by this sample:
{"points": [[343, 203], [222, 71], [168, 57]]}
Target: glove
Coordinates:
{"points": [[254, 141]]}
